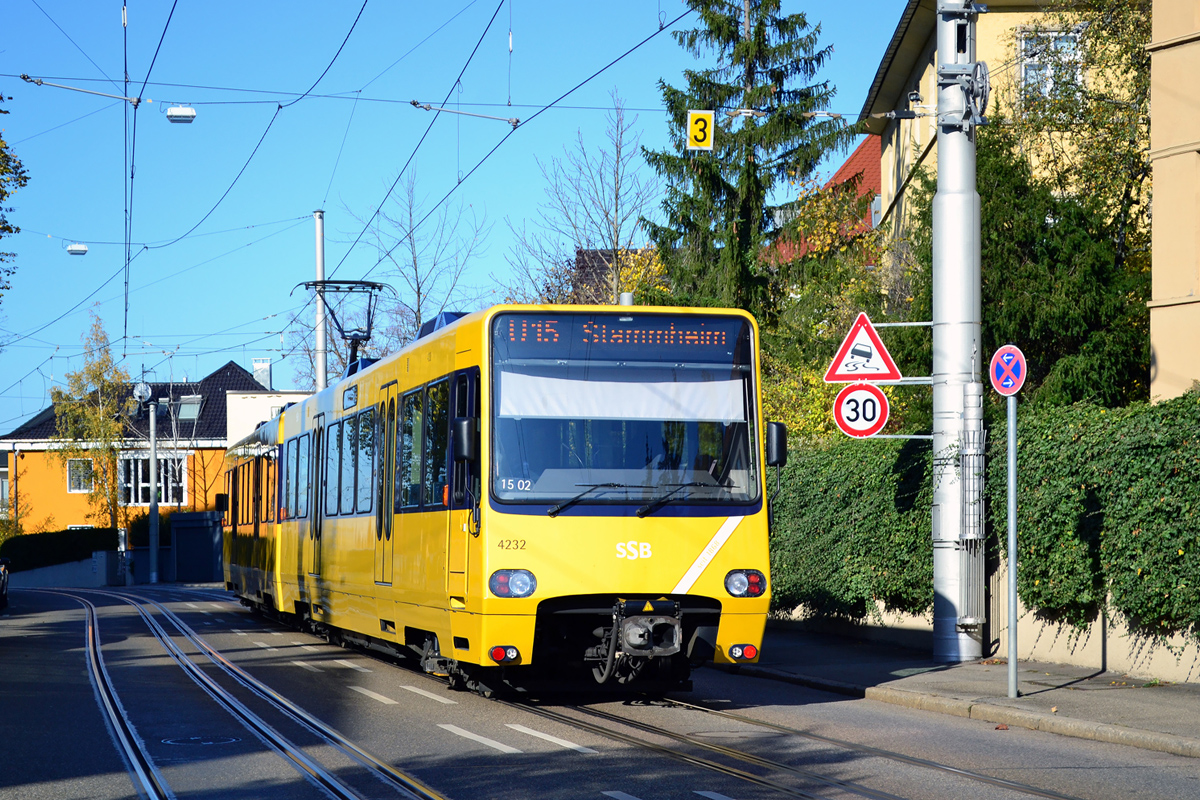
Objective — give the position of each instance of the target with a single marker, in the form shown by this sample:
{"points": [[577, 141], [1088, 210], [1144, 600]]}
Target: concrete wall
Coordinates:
{"points": [[1106, 645], [99, 570]]}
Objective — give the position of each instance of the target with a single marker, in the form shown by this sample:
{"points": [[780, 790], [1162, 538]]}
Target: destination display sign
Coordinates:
{"points": [[622, 336]]}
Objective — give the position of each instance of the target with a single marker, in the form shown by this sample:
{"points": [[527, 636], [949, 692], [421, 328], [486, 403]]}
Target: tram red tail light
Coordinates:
{"points": [[746, 583], [504, 654], [743, 652]]}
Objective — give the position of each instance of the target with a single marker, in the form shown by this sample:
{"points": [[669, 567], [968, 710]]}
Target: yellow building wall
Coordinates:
{"points": [[1175, 234], [47, 505], [909, 143]]}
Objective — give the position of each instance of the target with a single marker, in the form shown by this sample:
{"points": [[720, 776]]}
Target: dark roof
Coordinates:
{"points": [[907, 41], [210, 424]]}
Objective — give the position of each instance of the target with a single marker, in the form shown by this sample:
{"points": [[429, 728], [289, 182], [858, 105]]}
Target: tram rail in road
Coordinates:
{"points": [[146, 775]]}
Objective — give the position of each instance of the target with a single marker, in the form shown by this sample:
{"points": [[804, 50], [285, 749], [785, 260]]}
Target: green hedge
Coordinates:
{"points": [[853, 527], [1109, 513], [33, 550]]}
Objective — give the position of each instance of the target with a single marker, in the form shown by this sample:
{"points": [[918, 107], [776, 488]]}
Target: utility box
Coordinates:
{"points": [[196, 538]]}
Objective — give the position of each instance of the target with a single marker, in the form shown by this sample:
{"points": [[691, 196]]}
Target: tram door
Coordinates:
{"points": [[312, 545], [464, 488], [384, 485]]}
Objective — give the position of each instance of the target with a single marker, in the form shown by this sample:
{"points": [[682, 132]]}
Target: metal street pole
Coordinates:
{"points": [[957, 564], [320, 361], [1012, 546], [153, 491]]}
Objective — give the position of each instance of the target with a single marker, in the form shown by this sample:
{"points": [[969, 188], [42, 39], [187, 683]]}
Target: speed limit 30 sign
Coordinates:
{"points": [[861, 410]]}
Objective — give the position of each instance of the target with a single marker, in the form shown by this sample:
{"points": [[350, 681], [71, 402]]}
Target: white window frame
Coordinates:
{"points": [[136, 465], [1029, 60], [71, 489]]}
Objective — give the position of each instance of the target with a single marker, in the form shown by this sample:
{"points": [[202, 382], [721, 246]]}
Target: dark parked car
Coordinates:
{"points": [[4, 562]]}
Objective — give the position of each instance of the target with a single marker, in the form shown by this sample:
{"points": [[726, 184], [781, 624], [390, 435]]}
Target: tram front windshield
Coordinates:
{"points": [[610, 408]]}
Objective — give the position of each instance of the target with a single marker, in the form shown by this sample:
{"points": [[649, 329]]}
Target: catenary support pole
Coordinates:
{"points": [[153, 491], [1012, 546], [320, 359], [956, 321]]}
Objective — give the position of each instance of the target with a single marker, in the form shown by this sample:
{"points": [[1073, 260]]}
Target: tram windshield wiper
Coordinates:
{"points": [[553, 510], [662, 500]]}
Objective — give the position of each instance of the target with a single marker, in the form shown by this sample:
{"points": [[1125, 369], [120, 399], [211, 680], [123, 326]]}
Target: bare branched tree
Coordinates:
{"points": [[589, 222], [426, 261]]}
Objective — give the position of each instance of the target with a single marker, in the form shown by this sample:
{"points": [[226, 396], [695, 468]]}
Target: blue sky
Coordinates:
{"points": [[222, 292]]}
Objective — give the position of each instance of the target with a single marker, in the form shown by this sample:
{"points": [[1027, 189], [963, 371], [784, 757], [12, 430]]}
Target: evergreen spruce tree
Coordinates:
{"points": [[717, 217]]}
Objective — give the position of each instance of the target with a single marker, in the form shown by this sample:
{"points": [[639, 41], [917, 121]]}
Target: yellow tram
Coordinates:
{"points": [[523, 494]]}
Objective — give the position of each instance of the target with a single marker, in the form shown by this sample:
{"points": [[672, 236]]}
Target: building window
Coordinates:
{"points": [[1050, 65], [134, 475], [79, 475]]}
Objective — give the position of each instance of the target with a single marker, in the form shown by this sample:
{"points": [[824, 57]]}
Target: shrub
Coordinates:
{"points": [[853, 527]]}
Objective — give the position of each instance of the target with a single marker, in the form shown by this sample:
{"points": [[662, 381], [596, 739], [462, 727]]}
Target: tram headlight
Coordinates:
{"points": [[512, 583], [746, 583]]}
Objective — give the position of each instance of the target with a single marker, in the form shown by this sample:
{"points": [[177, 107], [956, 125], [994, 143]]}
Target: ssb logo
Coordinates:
{"points": [[633, 550]]}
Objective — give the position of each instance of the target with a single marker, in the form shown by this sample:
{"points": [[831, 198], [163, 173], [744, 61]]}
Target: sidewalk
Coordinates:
{"points": [[1072, 701]]}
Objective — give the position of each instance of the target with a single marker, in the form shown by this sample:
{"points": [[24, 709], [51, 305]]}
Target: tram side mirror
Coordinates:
{"points": [[222, 502], [776, 444], [465, 436]]}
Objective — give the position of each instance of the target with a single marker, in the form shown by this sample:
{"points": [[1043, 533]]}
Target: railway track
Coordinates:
{"points": [[773, 774], [149, 779], [733, 762]]}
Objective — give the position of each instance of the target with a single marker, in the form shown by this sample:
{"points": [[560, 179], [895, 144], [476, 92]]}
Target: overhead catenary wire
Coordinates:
{"points": [[543, 109], [508, 135], [392, 188]]}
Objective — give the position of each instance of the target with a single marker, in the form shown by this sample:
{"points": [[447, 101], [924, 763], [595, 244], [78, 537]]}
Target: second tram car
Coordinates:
{"points": [[525, 493]]}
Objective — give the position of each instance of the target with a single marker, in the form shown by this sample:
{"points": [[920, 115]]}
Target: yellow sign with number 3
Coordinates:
{"points": [[700, 130]]}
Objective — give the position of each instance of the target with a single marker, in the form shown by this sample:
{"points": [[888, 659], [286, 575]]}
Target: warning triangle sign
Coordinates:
{"points": [[862, 357]]}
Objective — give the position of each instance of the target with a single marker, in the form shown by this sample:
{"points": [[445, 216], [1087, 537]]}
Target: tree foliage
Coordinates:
{"points": [[90, 416], [717, 213], [1086, 121], [1053, 283], [425, 257], [12, 178], [589, 223]]}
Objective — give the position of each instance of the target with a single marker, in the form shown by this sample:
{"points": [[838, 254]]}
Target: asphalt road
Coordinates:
{"points": [[771, 739]]}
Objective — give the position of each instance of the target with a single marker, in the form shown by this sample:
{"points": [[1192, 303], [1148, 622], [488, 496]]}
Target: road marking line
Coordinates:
{"points": [[387, 701], [554, 739], [277, 633], [503, 748], [304, 646], [431, 695], [267, 646], [220, 606], [707, 555], [239, 633], [307, 666], [191, 605], [620, 796], [712, 795], [351, 665], [207, 613]]}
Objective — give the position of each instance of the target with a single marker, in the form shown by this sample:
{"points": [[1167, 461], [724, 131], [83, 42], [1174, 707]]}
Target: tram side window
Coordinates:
{"points": [[302, 482], [246, 492], [408, 461], [288, 476], [231, 493], [365, 469], [333, 459], [349, 457], [269, 486], [437, 441]]}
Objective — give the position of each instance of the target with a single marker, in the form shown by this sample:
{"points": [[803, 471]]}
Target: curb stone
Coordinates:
{"points": [[991, 712]]}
